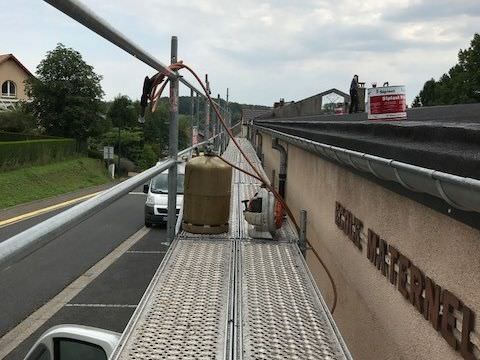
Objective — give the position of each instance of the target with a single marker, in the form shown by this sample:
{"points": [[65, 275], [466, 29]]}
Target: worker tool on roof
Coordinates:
{"points": [[264, 215]]}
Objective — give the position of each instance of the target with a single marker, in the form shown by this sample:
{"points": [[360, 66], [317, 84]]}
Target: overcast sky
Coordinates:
{"points": [[261, 50]]}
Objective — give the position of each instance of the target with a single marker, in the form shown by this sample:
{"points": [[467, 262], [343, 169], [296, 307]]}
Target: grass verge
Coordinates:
{"points": [[44, 181]]}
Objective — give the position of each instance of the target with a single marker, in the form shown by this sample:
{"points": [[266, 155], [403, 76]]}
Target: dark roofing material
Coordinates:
{"points": [[446, 139], [250, 114], [452, 113]]}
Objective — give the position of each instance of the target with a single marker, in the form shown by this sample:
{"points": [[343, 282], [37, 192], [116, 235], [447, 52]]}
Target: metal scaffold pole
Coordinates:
{"points": [[173, 147], [217, 122], [207, 110], [197, 115], [192, 106], [228, 120]]}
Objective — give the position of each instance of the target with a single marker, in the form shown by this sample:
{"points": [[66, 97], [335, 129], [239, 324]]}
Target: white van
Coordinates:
{"points": [[157, 197], [71, 342]]}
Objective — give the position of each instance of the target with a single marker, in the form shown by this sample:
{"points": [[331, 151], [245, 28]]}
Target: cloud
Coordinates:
{"points": [[427, 10], [263, 50]]}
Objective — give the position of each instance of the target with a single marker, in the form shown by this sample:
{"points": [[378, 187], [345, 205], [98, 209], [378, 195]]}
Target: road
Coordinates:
{"points": [[110, 299]]}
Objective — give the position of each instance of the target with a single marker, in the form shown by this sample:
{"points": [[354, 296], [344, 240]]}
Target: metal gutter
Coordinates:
{"points": [[459, 192]]}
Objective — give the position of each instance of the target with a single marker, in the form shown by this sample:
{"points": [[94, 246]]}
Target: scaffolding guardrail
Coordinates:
{"points": [[22, 244]]}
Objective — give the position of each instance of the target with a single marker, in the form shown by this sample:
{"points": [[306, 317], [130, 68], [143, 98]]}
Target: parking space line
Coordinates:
{"points": [[32, 323], [136, 193], [101, 305]]}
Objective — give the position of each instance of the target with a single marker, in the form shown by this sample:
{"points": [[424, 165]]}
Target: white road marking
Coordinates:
{"points": [[32, 323], [145, 252], [101, 305], [136, 193]]}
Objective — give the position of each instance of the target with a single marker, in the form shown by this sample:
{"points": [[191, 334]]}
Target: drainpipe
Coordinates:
{"points": [[259, 144], [282, 173]]}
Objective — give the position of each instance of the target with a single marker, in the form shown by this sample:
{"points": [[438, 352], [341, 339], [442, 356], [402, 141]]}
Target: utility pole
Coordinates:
{"points": [[173, 147]]}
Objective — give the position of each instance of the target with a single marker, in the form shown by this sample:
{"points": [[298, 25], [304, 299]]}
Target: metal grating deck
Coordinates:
{"points": [[232, 297], [283, 318], [186, 314]]}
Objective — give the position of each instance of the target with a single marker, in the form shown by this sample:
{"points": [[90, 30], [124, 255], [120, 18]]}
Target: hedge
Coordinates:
{"points": [[12, 136], [15, 154]]}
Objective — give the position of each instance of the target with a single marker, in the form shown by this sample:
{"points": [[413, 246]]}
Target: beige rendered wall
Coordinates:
{"points": [[374, 318], [9, 70]]}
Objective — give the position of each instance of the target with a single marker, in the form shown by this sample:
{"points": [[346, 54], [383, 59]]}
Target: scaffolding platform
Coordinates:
{"points": [[229, 296]]}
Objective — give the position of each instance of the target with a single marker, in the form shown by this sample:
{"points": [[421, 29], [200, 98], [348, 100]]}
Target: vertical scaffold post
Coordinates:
{"points": [[197, 120], [173, 147], [217, 124], [213, 119], [192, 105], [302, 238], [228, 120], [207, 110]]}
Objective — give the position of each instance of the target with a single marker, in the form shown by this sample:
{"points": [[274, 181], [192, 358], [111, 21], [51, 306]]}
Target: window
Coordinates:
{"points": [[70, 349], [9, 88], [160, 184], [40, 353]]}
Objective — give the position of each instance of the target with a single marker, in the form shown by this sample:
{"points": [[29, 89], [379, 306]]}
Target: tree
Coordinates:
{"points": [[417, 102], [122, 112], [460, 85], [66, 95], [427, 94], [184, 131], [156, 128]]}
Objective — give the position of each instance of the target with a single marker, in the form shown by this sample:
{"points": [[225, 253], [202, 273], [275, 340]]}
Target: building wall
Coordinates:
{"points": [[9, 70], [376, 321]]}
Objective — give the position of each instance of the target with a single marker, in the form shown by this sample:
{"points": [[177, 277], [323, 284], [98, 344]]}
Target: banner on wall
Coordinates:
{"points": [[387, 103]]}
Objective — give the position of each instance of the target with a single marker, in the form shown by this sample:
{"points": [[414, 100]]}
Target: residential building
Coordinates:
{"points": [[12, 79]]}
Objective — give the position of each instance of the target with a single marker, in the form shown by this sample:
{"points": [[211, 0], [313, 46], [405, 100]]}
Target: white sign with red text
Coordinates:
{"points": [[387, 103]]}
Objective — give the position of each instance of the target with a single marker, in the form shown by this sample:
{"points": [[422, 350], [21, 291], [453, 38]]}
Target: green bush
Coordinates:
{"points": [[14, 154], [17, 120]]}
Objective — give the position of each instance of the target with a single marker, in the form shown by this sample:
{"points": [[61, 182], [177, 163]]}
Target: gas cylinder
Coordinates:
{"points": [[206, 202]]}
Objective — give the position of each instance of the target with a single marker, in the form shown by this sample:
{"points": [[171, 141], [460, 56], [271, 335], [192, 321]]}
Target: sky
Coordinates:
{"points": [[261, 50]]}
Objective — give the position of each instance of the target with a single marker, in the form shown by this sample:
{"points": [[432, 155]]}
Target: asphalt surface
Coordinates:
{"points": [[38, 278]]}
